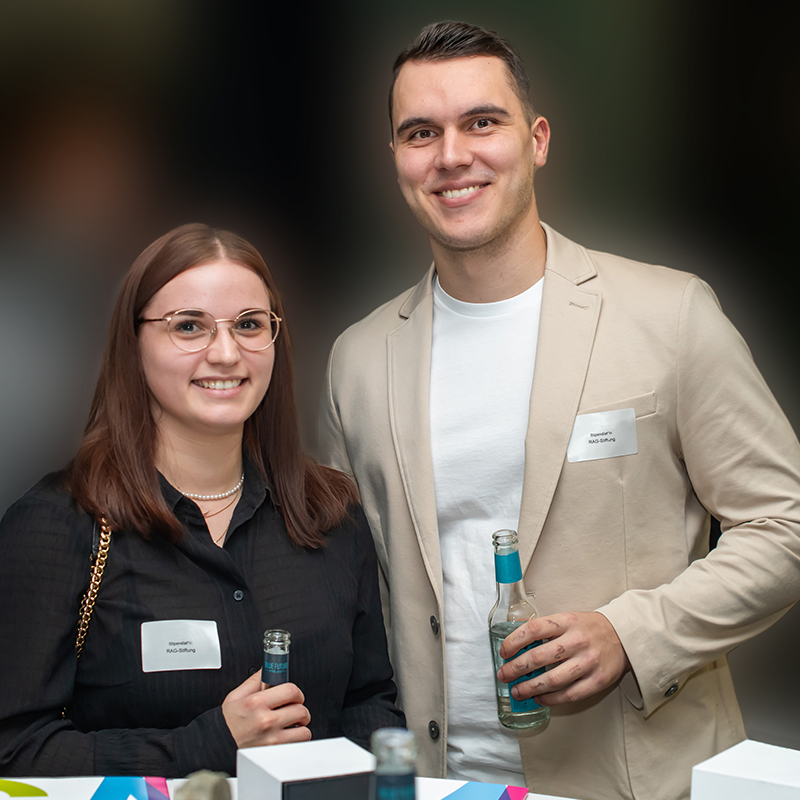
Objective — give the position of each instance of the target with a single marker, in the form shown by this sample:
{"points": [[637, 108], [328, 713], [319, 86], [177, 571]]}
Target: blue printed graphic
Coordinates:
{"points": [[276, 668], [119, 788]]}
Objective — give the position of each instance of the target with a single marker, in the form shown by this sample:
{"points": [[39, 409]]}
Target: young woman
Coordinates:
{"points": [[221, 529]]}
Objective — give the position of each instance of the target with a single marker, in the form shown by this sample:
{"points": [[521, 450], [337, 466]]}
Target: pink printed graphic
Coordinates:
{"points": [[514, 793], [157, 788]]}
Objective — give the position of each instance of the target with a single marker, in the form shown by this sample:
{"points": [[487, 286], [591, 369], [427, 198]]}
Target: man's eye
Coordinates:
{"points": [[425, 134], [483, 123]]}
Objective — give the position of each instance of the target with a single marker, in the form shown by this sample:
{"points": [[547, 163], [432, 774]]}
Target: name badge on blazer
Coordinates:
{"points": [[605, 434], [176, 644]]}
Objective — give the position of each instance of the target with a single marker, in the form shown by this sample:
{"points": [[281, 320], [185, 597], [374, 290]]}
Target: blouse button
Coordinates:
{"points": [[238, 594]]}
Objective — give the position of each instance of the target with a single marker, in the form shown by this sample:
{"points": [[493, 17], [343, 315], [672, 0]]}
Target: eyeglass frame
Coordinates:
{"points": [[212, 334]]}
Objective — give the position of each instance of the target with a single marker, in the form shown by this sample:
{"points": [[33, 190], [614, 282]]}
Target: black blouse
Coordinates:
{"points": [[121, 720]]}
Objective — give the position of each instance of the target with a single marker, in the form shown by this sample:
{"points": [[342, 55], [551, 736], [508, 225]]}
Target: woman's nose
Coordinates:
{"points": [[224, 348]]}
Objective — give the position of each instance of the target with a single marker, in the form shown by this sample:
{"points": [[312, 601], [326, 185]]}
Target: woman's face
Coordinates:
{"points": [[211, 391]]}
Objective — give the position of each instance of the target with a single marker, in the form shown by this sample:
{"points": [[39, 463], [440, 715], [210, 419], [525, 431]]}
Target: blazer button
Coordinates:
{"points": [[434, 625], [433, 729], [253, 670], [238, 594], [671, 691]]}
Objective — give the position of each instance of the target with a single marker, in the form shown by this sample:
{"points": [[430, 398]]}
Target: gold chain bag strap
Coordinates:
{"points": [[89, 599]]}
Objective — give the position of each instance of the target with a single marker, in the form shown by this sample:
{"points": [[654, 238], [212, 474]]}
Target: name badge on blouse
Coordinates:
{"points": [[605, 434], [177, 644]]}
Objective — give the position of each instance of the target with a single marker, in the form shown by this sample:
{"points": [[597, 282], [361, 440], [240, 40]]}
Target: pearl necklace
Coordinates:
{"points": [[220, 496]]}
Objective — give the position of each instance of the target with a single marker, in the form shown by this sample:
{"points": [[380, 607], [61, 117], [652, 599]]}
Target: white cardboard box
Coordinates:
{"points": [[330, 768], [748, 771]]}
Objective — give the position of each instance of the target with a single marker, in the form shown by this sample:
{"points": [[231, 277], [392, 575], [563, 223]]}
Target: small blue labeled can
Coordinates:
{"points": [[276, 657]]}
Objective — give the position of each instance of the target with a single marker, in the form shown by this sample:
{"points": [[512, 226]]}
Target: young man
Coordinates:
{"points": [[598, 406]]}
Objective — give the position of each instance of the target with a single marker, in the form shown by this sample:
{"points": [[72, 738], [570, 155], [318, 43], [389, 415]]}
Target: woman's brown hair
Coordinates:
{"points": [[114, 475]]}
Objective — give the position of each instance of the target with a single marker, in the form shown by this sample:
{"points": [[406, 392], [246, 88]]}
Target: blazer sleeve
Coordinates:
{"points": [[371, 693], [332, 445], [743, 461], [44, 571], [333, 453]]}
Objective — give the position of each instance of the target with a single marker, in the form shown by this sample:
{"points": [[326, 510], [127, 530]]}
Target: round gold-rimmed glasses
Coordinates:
{"points": [[193, 329]]}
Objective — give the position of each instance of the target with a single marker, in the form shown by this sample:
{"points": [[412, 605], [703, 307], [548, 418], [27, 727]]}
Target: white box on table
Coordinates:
{"points": [[334, 768], [748, 771]]}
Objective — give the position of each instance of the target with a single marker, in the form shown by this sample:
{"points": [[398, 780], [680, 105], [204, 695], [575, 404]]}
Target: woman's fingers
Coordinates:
{"points": [[272, 716]]}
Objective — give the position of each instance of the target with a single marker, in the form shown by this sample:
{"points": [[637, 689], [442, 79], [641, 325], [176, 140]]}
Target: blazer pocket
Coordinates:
{"points": [[643, 404]]}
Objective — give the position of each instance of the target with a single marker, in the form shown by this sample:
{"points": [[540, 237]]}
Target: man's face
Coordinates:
{"points": [[465, 151]]}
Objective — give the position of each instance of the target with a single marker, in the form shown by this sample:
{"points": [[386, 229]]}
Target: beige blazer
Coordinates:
{"points": [[627, 535]]}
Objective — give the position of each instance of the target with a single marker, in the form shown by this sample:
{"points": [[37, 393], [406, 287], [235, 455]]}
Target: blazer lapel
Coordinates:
{"points": [[409, 358], [566, 335]]}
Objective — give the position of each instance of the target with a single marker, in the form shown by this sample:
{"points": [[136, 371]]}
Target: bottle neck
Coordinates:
{"points": [[508, 593], [511, 595]]}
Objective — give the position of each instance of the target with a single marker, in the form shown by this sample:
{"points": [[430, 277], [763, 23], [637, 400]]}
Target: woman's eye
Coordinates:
{"points": [[250, 325], [187, 328]]}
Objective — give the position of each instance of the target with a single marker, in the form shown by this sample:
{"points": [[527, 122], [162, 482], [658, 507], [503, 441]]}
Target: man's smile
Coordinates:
{"points": [[453, 193]]}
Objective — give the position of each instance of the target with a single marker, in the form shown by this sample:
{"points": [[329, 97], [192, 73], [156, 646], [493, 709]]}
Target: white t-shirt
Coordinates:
{"points": [[482, 362]]}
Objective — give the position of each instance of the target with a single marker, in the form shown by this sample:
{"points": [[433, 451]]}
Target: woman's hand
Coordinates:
{"points": [[275, 715]]}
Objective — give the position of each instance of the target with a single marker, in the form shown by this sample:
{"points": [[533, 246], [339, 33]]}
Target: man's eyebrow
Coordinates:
{"points": [[412, 122], [489, 109]]}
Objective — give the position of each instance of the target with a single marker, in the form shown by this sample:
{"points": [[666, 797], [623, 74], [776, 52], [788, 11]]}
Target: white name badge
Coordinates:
{"points": [[606, 434], [175, 644]]}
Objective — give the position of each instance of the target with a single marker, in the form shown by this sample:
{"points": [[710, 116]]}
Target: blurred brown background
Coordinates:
{"points": [[675, 129]]}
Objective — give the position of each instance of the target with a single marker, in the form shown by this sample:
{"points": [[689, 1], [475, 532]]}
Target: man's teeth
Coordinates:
{"points": [[219, 384], [451, 193]]}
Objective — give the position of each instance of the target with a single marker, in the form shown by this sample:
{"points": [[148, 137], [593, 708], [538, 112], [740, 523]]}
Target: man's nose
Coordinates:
{"points": [[454, 151]]}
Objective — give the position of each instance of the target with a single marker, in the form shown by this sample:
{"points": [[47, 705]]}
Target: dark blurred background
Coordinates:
{"points": [[675, 130]]}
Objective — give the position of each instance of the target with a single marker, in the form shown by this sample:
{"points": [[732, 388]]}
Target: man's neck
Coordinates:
{"points": [[494, 272]]}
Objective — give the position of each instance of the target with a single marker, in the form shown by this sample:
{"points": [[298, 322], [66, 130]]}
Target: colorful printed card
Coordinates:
{"points": [[436, 789], [159, 789], [87, 788]]}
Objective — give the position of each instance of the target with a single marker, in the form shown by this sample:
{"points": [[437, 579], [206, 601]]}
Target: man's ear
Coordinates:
{"points": [[540, 133], [391, 146]]}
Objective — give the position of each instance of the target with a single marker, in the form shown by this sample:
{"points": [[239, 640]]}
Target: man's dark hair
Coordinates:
{"points": [[442, 41]]}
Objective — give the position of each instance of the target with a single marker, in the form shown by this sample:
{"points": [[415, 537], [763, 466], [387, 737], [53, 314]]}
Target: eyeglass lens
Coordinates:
{"points": [[193, 330]]}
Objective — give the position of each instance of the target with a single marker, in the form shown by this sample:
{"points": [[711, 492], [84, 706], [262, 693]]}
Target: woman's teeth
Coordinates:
{"points": [[219, 384]]}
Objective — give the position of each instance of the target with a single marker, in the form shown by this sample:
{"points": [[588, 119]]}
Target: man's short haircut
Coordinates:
{"points": [[442, 41]]}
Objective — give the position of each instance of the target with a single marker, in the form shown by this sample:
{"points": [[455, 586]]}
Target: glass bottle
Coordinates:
{"points": [[276, 657], [395, 751], [511, 610]]}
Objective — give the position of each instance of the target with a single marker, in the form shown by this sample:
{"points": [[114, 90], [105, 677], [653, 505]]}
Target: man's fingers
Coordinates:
{"points": [[543, 655], [534, 630], [554, 680], [579, 690]]}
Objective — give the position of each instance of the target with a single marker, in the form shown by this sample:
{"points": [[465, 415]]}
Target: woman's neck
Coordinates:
{"points": [[200, 466]]}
